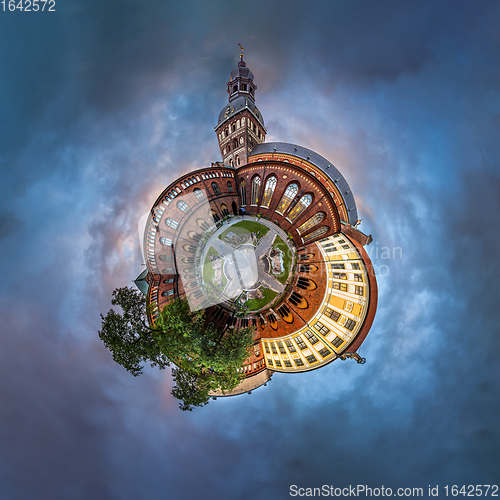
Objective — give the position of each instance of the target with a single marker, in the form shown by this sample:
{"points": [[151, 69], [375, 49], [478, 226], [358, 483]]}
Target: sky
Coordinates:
{"points": [[103, 104]]}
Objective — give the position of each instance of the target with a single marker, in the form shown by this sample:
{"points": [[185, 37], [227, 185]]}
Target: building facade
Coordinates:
{"points": [[267, 238]]}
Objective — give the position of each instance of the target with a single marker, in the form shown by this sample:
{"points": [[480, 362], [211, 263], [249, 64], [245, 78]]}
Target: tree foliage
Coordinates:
{"points": [[206, 359]]}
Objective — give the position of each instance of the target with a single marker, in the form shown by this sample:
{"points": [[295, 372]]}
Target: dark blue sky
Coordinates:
{"points": [[103, 104]]}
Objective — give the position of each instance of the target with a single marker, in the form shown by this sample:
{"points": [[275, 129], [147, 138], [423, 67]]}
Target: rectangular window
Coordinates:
{"points": [[298, 362], [325, 352], [341, 241], [278, 363], [281, 347], [350, 324], [270, 362], [337, 341], [358, 290], [337, 266], [266, 346], [311, 337], [290, 346], [358, 277], [340, 276], [345, 247], [340, 286], [330, 250], [288, 364], [328, 245], [311, 358], [355, 265], [273, 348], [331, 314], [321, 328], [300, 343]]}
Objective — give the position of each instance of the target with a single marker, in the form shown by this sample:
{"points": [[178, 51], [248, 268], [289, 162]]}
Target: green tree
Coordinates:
{"points": [[206, 359], [131, 341]]}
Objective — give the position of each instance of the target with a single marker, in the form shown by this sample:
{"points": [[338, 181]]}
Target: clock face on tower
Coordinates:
{"points": [[229, 110], [257, 113]]}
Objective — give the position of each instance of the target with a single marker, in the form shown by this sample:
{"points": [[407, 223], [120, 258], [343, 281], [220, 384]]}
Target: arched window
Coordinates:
{"points": [[268, 191], [224, 210], [288, 196], [243, 192], [235, 143], [231, 162], [201, 223], [166, 241], [315, 219], [237, 161], [215, 216], [215, 188], [198, 193], [238, 124], [303, 203], [255, 190], [229, 186], [171, 223], [315, 234], [182, 205]]}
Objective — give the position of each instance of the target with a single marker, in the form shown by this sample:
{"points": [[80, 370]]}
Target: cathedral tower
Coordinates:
{"points": [[240, 126]]}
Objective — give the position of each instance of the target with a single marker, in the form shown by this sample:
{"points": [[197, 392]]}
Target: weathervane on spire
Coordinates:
{"points": [[241, 55]]}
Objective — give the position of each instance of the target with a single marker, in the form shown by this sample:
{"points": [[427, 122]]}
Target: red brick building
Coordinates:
{"points": [[266, 237]]}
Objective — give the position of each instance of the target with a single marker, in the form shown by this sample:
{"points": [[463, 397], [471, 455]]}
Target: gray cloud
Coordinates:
{"points": [[105, 103]]}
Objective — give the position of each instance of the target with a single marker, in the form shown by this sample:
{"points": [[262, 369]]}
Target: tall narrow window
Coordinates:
{"points": [[303, 203], [243, 192], [229, 187], [255, 190], [315, 234], [315, 219], [268, 191], [215, 188], [289, 194], [182, 205], [224, 210]]}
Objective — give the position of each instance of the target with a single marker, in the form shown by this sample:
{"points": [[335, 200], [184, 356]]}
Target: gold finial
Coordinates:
{"points": [[241, 55]]}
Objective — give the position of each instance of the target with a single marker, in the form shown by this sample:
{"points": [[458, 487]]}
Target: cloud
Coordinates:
{"points": [[105, 104]]}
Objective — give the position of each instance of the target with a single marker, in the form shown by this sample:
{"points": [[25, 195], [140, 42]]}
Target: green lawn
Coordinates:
{"points": [[287, 259], [208, 270], [256, 304], [246, 226]]}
